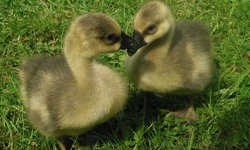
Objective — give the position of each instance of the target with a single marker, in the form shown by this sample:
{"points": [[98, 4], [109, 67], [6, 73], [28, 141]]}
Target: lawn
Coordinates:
{"points": [[31, 27]]}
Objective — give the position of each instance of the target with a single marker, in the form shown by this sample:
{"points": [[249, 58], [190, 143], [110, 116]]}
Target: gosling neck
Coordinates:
{"points": [[81, 67], [162, 45]]}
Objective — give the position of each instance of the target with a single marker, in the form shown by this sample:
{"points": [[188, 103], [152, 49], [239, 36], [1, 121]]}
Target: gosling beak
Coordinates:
{"points": [[127, 41], [138, 39], [139, 42]]}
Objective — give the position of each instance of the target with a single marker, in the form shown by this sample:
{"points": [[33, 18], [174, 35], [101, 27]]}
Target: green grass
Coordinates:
{"points": [[30, 27]]}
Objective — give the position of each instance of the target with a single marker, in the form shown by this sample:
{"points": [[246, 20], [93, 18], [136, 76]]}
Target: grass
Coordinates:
{"points": [[30, 27]]}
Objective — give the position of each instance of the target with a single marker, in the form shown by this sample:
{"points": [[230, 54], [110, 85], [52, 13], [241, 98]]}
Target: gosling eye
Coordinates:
{"points": [[111, 37], [151, 29]]}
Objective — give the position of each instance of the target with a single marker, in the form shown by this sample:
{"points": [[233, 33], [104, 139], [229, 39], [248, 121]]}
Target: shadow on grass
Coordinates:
{"points": [[143, 109]]}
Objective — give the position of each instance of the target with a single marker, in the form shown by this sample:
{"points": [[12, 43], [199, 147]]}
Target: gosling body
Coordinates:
{"points": [[177, 59], [69, 94]]}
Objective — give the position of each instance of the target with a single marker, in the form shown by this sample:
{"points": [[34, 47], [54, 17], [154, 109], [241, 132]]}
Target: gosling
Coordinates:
{"points": [[175, 58], [69, 94]]}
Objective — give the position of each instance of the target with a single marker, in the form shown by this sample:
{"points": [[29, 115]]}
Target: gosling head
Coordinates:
{"points": [[95, 33], [153, 21]]}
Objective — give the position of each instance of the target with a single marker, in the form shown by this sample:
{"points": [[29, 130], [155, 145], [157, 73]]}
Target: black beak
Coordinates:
{"points": [[139, 42], [127, 41], [138, 39]]}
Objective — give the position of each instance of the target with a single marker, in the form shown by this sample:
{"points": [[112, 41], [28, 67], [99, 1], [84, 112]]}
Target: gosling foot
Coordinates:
{"points": [[187, 113], [65, 143]]}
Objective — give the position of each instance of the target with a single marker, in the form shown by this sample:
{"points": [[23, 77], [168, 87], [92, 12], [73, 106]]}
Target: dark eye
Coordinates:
{"points": [[110, 37], [151, 29]]}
